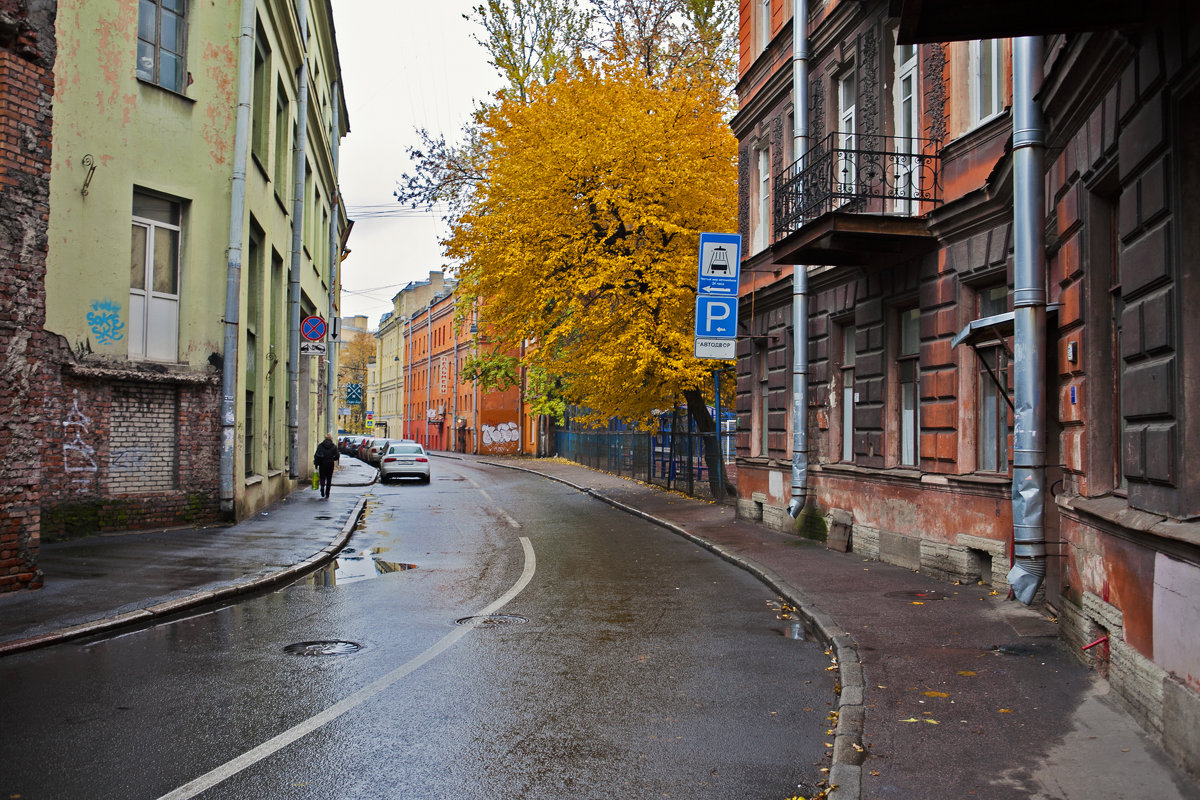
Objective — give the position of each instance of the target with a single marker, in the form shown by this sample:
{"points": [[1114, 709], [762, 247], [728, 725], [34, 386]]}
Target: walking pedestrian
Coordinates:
{"points": [[324, 459]]}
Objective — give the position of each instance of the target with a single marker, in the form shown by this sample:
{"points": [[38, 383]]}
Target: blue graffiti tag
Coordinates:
{"points": [[105, 321]]}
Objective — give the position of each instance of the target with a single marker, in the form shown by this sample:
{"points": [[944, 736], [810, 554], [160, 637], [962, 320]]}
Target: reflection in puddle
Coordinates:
{"points": [[352, 565]]}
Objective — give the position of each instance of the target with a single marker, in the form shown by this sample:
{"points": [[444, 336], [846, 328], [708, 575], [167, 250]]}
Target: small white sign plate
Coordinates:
{"points": [[716, 348]]}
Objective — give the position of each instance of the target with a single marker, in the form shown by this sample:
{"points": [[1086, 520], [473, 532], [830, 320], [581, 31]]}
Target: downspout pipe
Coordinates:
{"points": [[233, 268], [1029, 311], [428, 367], [799, 272], [298, 200], [335, 254]]}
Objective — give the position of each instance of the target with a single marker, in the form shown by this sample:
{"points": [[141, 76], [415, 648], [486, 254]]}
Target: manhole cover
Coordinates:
{"points": [[329, 648], [928, 595], [491, 620]]}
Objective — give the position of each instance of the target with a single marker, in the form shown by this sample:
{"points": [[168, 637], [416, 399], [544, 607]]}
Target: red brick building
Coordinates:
{"points": [[27, 51], [947, 353], [443, 408]]}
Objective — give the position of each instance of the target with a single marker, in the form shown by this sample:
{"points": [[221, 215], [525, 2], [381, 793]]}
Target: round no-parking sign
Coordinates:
{"points": [[313, 329]]}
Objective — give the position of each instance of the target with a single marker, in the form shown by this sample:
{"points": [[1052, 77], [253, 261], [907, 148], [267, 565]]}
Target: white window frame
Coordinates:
{"points": [[986, 86], [764, 24], [849, 356], [760, 211], [908, 359], [992, 445], [154, 314], [907, 106], [846, 166]]}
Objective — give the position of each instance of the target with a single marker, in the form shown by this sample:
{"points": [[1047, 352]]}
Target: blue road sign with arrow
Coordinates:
{"points": [[720, 263]]}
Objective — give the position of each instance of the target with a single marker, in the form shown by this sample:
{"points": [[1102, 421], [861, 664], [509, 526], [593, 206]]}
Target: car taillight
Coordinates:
{"points": [[421, 459], [386, 460]]}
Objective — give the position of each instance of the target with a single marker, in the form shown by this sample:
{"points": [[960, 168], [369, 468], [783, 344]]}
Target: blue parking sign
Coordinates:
{"points": [[716, 317]]}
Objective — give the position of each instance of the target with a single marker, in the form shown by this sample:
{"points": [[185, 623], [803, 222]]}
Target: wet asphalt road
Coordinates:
{"points": [[617, 661]]}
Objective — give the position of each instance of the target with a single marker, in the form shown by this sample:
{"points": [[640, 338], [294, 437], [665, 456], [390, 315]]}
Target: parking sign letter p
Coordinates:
{"points": [[715, 312]]}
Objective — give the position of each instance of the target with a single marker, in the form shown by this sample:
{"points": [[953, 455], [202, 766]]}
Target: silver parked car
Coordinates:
{"points": [[376, 449], [404, 460]]}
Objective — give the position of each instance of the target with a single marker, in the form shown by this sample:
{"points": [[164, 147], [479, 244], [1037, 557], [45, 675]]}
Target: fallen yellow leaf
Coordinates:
{"points": [[966, 673], [917, 603], [910, 719], [933, 722], [936, 694], [1006, 711]]}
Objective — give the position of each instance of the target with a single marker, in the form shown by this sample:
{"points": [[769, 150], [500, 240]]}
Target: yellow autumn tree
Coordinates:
{"points": [[356, 353], [582, 236]]}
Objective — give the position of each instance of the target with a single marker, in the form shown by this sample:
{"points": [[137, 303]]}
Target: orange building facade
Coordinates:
{"points": [[445, 410]]}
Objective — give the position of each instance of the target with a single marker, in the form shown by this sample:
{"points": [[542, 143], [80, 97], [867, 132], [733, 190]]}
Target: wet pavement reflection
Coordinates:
{"points": [[356, 565]]}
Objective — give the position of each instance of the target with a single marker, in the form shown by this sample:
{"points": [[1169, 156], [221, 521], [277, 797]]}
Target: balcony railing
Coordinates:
{"points": [[860, 174]]}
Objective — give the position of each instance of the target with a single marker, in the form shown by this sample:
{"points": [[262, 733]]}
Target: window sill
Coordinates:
{"points": [[253, 480], [262, 168], [172, 92], [983, 479], [1115, 510], [903, 473]]}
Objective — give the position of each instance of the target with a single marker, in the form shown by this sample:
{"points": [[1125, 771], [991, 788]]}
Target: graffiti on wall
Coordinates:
{"points": [[105, 321], [78, 461], [501, 438]]}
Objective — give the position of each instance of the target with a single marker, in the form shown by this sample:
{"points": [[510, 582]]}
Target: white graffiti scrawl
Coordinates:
{"points": [[77, 454], [501, 434]]}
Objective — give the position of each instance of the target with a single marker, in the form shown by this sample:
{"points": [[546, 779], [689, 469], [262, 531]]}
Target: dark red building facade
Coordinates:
{"points": [[902, 213]]}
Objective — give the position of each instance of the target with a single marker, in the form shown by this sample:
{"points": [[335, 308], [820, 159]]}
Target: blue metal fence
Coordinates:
{"points": [[671, 460]]}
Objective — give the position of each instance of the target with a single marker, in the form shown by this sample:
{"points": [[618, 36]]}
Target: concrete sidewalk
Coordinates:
{"points": [[99, 583], [946, 691]]}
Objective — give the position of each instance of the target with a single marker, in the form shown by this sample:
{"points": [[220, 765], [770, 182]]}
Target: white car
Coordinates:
{"points": [[404, 460]]}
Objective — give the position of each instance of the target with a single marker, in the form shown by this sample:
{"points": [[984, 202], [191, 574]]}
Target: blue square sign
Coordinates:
{"points": [[716, 317], [720, 263]]}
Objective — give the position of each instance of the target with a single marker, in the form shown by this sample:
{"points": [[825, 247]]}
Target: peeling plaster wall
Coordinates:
{"points": [[139, 135]]}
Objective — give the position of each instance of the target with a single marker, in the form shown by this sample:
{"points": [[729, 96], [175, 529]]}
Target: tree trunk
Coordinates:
{"points": [[703, 418]]}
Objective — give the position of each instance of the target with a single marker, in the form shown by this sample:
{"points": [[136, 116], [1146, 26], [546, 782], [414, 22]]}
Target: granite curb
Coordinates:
{"points": [[845, 775], [199, 598]]}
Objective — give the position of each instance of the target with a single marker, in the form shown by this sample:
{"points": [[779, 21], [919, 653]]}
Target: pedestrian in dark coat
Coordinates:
{"points": [[324, 459]]}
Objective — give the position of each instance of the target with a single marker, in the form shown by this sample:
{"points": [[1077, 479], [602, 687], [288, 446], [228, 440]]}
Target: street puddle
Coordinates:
{"points": [[353, 565]]}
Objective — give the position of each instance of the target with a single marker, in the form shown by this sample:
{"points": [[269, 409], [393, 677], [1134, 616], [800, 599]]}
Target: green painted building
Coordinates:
{"points": [[195, 221]]}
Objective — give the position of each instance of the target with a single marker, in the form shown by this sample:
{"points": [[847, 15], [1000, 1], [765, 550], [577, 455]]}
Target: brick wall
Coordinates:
{"points": [[129, 448], [26, 87], [142, 452]]}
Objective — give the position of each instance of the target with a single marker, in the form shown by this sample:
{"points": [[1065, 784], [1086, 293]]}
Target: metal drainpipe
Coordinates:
{"points": [[1029, 307], [428, 366], [298, 200], [233, 273], [799, 272], [334, 260]]}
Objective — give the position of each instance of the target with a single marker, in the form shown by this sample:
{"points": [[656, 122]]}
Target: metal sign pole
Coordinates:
{"points": [[720, 450]]}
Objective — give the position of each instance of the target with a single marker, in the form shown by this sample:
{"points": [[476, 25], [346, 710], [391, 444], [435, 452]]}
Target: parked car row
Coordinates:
{"points": [[395, 458]]}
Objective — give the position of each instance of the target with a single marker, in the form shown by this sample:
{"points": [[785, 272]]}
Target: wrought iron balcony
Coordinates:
{"points": [[885, 175]]}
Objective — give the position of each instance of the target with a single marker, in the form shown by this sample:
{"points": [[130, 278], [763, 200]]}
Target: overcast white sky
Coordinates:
{"points": [[406, 64]]}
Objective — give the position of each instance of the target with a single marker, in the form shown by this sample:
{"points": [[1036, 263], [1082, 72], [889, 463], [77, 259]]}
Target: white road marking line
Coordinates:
{"points": [[507, 517], [277, 743]]}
